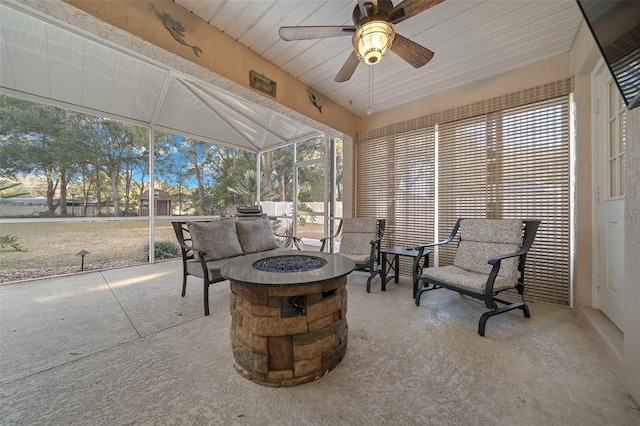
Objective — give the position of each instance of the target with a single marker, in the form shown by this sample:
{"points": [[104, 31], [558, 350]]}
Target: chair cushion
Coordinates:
{"points": [[217, 238], [469, 280], [472, 281], [213, 266], [357, 234], [473, 256], [506, 231], [356, 244], [359, 259], [360, 224], [256, 235], [481, 239]]}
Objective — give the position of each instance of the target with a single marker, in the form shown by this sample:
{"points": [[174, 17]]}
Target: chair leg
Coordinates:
{"points": [[206, 298], [372, 276], [509, 307], [184, 283], [421, 289]]}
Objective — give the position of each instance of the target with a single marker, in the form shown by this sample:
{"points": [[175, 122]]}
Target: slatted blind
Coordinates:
{"points": [[462, 177], [372, 186], [399, 171], [502, 158], [513, 164], [533, 181]]}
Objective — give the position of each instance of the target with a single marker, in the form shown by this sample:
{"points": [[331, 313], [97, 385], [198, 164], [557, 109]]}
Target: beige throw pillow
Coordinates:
{"points": [[217, 238], [256, 235]]}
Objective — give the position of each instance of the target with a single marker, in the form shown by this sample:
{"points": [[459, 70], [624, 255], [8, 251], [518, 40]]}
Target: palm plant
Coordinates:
{"points": [[9, 240]]}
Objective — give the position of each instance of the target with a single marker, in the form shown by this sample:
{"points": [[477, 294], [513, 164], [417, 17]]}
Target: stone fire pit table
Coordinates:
{"points": [[288, 327]]}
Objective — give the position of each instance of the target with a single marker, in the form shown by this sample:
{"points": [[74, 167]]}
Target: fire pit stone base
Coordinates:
{"points": [[288, 335]]}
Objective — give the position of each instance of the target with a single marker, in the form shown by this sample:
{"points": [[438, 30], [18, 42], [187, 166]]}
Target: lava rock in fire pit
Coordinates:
{"points": [[289, 264]]}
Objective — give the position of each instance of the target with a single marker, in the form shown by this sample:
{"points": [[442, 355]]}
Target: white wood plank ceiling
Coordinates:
{"points": [[472, 39]]}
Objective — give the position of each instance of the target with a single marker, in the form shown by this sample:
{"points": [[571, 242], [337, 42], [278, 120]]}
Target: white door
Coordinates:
{"points": [[610, 195]]}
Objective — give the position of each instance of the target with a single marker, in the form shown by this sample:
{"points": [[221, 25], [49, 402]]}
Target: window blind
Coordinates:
{"points": [[372, 186], [513, 164], [462, 159], [509, 160], [399, 171]]}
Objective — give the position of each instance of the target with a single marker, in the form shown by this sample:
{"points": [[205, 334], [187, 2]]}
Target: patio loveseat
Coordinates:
{"points": [[207, 245]]}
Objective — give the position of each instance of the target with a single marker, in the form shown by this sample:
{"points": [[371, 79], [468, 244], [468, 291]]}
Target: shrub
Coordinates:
{"points": [[165, 249], [10, 241]]}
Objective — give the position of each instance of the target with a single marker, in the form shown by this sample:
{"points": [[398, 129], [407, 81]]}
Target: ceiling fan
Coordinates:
{"points": [[373, 34]]}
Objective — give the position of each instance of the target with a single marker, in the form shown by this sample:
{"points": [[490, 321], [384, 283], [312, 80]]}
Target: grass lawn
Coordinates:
{"points": [[56, 244], [50, 248]]}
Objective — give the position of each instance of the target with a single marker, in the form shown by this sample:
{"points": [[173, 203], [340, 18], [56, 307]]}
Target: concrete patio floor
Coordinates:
{"points": [[121, 347]]}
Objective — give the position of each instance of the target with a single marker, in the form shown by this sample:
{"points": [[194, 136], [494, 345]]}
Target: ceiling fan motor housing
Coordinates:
{"points": [[374, 33]]}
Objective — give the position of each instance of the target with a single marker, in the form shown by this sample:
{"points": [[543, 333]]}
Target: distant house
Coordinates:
{"points": [[37, 207], [161, 200]]}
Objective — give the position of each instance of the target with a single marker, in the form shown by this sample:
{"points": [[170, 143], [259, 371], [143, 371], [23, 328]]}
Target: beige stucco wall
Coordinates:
{"points": [[631, 352], [583, 58], [535, 74]]}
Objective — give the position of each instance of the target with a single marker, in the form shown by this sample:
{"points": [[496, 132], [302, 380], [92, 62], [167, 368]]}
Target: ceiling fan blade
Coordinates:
{"points": [[348, 68], [307, 33], [409, 8], [410, 51]]}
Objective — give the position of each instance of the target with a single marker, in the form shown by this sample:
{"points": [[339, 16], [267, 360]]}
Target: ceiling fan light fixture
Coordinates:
{"points": [[372, 40]]}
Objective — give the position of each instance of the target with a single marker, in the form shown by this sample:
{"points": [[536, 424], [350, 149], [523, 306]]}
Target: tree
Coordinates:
{"points": [[41, 140], [7, 239], [183, 161], [112, 143], [245, 189], [135, 164], [235, 177], [277, 171]]}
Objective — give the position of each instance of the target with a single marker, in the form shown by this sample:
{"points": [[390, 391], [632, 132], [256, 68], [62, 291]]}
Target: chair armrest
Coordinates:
{"points": [[374, 255], [420, 247], [180, 228], [424, 246], [187, 248], [324, 240], [445, 241], [496, 259]]}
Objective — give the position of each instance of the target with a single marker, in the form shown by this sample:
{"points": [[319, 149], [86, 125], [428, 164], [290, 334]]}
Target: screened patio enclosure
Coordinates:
{"points": [[48, 61]]}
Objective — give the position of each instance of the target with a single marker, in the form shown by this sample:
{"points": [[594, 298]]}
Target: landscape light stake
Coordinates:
{"points": [[82, 253]]}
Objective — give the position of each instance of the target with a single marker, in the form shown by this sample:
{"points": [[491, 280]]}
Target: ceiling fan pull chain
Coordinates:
{"points": [[371, 99]]}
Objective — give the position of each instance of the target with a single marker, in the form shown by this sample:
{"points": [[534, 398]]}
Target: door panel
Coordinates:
{"points": [[611, 170]]}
